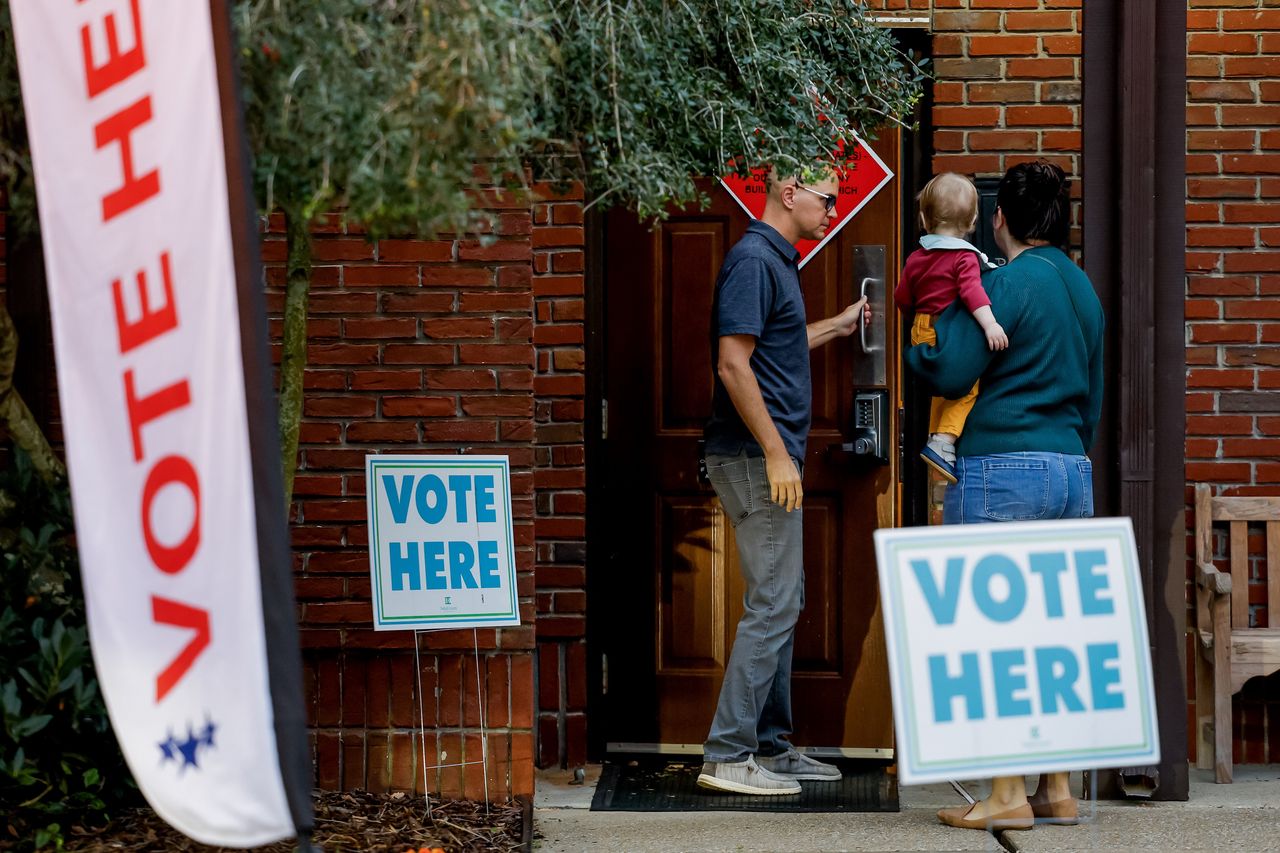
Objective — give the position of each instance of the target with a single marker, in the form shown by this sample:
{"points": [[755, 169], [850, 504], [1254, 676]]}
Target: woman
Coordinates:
{"points": [[1022, 454]]}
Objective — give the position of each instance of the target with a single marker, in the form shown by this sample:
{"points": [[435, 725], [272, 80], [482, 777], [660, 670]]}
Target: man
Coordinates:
{"points": [[755, 445]]}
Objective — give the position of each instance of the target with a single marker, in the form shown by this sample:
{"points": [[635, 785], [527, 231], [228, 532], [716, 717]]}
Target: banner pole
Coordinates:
{"points": [[284, 650]]}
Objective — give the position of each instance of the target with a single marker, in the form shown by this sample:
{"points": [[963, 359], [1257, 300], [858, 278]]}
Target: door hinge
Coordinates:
{"points": [[902, 441], [604, 675], [604, 419]]}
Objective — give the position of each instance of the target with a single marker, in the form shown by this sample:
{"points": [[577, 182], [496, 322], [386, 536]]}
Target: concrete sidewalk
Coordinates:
{"points": [[1244, 816]]}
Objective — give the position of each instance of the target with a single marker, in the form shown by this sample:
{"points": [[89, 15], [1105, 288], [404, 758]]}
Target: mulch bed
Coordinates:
{"points": [[345, 822]]}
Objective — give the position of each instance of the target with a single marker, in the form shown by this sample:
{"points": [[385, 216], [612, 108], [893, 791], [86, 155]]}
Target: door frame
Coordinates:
{"points": [[917, 154], [1134, 192], [595, 462], [916, 167]]}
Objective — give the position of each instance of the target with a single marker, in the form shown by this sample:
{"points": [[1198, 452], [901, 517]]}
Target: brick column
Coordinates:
{"points": [[1233, 293], [560, 477]]}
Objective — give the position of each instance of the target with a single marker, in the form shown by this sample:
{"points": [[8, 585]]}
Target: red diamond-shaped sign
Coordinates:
{"points": [[863, 175]]}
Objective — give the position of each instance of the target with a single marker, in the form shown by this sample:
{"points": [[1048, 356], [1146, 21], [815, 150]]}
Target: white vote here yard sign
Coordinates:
{"points": [[1016, 648], [441, 553]]}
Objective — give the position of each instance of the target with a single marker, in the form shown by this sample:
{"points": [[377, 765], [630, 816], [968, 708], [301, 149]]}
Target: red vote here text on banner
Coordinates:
{"points": [[124, 107]]}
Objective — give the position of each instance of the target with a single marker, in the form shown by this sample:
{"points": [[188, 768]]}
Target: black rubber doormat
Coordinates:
{"points": [[654, 784]]}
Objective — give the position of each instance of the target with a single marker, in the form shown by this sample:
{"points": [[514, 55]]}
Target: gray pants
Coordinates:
{"points": [[753, 715]]}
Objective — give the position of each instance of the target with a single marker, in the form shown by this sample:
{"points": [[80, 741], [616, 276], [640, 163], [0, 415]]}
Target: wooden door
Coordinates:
{"points": [[673, 594]]}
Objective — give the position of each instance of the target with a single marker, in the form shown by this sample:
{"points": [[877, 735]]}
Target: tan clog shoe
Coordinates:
{"points": [[1020, 817], [1059, 812]]}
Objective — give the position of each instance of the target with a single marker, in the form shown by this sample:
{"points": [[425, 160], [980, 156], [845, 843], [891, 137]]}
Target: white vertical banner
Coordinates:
{"points": [[125, 120]]}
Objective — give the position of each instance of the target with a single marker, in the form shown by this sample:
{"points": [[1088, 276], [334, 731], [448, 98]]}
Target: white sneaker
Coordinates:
{"points": [[793, 765], [941, 456], [942, 447], [745, 777]]}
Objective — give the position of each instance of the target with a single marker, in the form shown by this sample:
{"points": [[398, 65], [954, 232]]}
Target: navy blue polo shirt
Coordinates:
{"points": [[758, 294]]}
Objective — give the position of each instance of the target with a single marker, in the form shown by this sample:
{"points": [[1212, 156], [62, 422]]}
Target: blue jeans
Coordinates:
{"points": [[1019, 487], [753, 714]]}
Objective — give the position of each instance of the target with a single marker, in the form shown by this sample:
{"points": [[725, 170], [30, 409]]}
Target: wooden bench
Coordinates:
{"points": [[1227, 651]]}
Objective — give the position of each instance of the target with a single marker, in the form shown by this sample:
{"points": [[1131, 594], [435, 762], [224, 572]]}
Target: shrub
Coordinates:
{"points": [[60, 764]]}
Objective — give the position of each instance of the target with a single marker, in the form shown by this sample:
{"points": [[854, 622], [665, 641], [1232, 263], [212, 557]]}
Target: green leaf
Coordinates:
{"points": [[29, 726]]}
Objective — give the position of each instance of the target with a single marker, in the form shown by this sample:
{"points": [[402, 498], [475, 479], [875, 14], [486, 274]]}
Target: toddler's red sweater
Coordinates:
{"points": [[933, 278]]}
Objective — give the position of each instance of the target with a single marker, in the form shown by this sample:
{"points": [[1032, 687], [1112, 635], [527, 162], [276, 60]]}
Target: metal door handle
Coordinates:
{"points": [[862, 323]]}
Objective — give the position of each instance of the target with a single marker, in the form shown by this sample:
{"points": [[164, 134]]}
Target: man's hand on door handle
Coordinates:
{"points": [[784, 481], [846, 322], [840, 325]]}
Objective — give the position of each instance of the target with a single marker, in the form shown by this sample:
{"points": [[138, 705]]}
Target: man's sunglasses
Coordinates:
{"points": [[827, 198]]}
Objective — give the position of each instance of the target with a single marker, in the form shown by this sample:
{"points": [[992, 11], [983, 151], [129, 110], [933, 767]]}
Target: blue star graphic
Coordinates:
{"points": [[206, 736], [186, 752], [167, 747], [188, 749]]}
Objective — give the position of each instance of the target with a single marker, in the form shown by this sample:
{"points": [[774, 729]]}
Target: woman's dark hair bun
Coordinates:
{"points": [[1035, 198], [1047, 176]]}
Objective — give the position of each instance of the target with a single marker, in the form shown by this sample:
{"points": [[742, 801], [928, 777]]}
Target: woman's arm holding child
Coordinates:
{"points": [[950, 368]]}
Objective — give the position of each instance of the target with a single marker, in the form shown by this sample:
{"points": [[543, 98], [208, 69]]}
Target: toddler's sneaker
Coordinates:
{"points": [[941, 456]]}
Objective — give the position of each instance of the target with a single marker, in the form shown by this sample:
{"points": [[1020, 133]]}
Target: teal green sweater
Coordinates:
{"points": [[1043, 393]]}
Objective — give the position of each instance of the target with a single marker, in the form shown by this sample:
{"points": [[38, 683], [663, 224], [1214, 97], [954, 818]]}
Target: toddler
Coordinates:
{"points": [[947, 266]]}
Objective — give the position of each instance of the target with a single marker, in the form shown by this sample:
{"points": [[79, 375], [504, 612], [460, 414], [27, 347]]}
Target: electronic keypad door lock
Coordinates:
{"points": [[870, 437]]}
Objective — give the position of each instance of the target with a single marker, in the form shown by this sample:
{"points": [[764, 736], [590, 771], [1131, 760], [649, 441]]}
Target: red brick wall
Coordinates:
{"points": [[560, 476], [895, 8], [1007, 85], [412, 346], [1233, 291]]}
